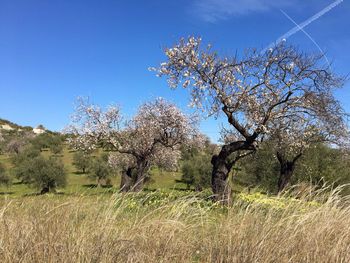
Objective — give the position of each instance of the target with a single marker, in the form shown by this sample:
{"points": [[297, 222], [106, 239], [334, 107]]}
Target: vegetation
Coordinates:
{"points": [[278, 93], [119, 229], [45, 174], [196, 171], [82, 161], [100, 170], [152, 137], [4, 178]]}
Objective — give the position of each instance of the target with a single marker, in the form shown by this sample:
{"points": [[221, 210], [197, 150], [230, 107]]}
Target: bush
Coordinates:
{"points": [[100, 170], [55, 145], [196, 171], [47, 140], [82, 161], [41, 173]]}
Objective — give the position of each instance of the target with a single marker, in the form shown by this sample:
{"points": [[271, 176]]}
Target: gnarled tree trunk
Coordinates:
{"points": [[141, 174], [219, 180], [222, 165], [286, 172], [287, 168], [126, 180]]}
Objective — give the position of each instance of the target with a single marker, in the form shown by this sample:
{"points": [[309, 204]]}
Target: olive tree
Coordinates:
{"points": [[152, 136], [252, 91], [82, 160], [42, 173], [100, 170]]}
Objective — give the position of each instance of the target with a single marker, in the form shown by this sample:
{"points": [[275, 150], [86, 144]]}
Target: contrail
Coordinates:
{"points": [[304, 24], [308, 35]]}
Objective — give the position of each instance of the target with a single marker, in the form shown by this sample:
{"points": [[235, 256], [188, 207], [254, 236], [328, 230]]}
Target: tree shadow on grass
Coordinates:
{"points": [[79, 173], [40, 194], [7, 193], [18, 183], [96, 186]]}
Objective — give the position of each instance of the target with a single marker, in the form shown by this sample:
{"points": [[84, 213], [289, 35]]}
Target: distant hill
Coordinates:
{"points": [[8, 126], [14, 126]]}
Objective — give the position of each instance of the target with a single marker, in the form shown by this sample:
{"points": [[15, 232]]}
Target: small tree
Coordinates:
{"points": [[44, 174], [56, 144], [41, 141], [100, 170], [196, 171], [152, 136], [4, 178], [82, 160], [14, 146], [294, 135]]}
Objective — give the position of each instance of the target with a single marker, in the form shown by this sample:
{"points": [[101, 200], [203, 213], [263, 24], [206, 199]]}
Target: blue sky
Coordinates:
{"points": [[55, 50]]}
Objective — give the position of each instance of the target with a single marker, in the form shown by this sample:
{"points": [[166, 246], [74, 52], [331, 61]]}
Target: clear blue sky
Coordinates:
{"points": [[52, 51]]}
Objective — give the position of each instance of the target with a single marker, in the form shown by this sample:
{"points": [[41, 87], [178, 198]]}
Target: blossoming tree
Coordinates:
{"points": [[152, 136], [253, 92], [295, 134]]}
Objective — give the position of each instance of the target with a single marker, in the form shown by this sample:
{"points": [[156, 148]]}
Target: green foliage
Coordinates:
{"points": [[41, 173], [318, 165], [82, 161], [322, 164], [4, 178], [41, 141], [48, 140], [196, 170], [21, 160], [259, 169], [56, 145], [100, 170]]}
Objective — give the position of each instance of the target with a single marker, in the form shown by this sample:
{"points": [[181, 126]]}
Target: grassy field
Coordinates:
{"points": [[173, 227], [84, 223], [78, 183]]}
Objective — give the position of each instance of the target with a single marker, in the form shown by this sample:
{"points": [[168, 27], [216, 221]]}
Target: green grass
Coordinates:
{"points": [[81, 184]]}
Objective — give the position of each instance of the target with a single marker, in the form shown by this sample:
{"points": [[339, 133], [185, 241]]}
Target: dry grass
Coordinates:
{"points": [[95, 229]]}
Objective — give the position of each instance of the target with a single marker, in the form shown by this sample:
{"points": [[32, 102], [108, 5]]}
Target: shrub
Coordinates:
{"points": [[81, 160], [100, 170], [196, 171], [41, 173]]}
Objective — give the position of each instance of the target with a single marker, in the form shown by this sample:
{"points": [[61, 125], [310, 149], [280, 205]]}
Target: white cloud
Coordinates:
{"points": [[213, 10]]}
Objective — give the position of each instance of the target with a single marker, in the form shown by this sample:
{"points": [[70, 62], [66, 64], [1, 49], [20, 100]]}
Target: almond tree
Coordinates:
{"points": [[152, 136], [253, 92], [295, 134]]}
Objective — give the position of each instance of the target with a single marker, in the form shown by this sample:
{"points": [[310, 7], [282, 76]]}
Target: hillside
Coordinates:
{"points": [[7, 126]]}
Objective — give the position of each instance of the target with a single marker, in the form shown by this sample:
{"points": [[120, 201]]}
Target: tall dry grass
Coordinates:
{"points": [[89, 229]]}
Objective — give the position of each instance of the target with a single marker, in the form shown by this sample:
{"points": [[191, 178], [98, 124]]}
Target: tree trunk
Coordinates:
{"points": [[98, 182], [219, 180], [287, 168], [222, 165], [45, 190], [48, 189], [286, 172], [141, 174], [126, 180]]}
